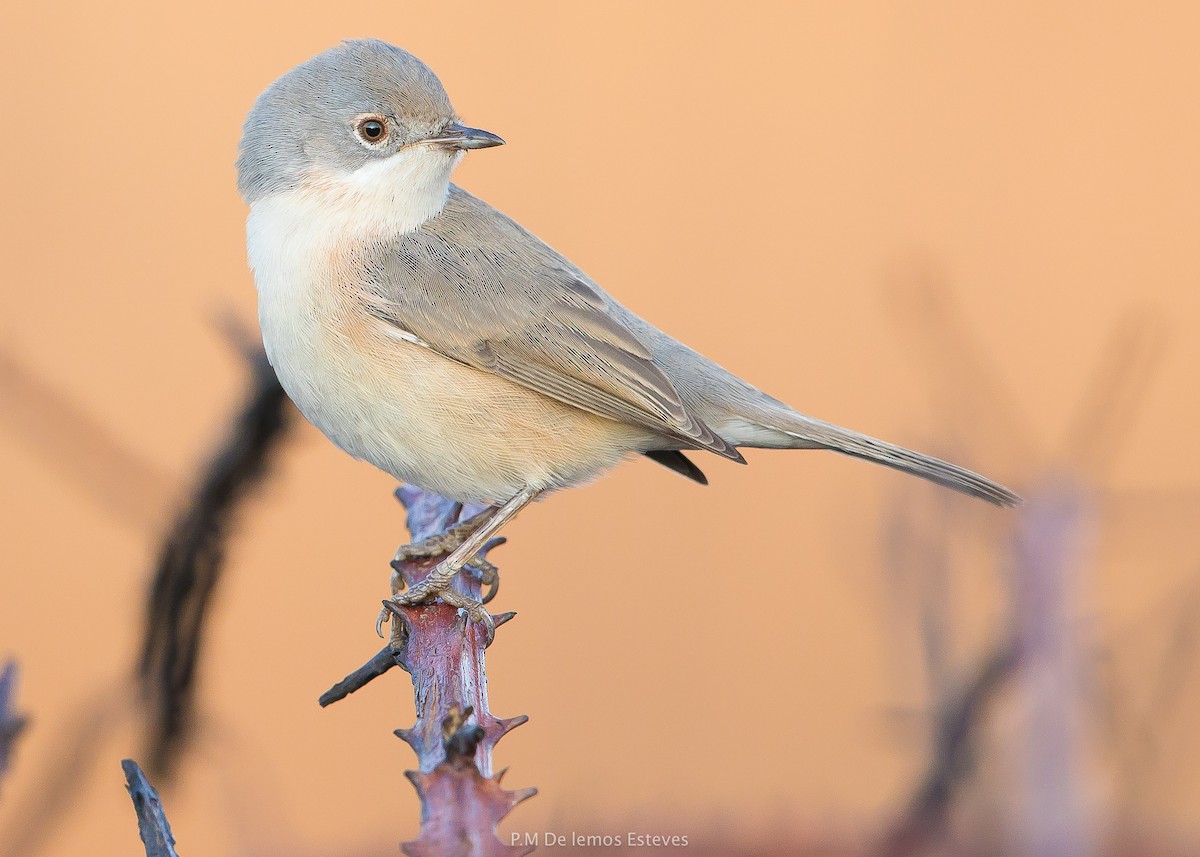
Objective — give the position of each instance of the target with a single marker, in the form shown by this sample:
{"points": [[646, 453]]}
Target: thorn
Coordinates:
{"points": [[499, 775], [501, 618], [520, 795], [419, 781], [510, 724], [408, 736]]}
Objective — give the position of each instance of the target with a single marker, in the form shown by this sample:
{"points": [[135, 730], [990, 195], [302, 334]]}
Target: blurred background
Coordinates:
{"points": [[968, 229]]}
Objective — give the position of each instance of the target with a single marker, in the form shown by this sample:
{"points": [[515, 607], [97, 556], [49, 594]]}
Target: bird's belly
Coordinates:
{"points": [[428, 420], [411, 412]]}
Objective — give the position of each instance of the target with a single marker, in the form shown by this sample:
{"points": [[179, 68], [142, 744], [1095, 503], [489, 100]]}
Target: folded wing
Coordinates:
{"points": [[474, 286]]}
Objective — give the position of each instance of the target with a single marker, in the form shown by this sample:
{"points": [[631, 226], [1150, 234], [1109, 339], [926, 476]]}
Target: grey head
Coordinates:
{"points": [[360, 101]]}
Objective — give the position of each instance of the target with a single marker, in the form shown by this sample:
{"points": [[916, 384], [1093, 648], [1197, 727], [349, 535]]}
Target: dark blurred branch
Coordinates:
{"points": [[956, 727], [455, 731], [11, 723], [191, 560], [152, 820], [1151, 730]]}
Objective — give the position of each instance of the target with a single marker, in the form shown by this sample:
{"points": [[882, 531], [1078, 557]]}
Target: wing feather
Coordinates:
{"points": [[474, 286]]}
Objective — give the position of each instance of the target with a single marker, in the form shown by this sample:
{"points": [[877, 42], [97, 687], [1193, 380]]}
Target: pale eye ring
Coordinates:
{"points": [[371, 129]]}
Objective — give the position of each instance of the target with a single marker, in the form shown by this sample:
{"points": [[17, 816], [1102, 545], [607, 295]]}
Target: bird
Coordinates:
{"points": [[429, 334]]}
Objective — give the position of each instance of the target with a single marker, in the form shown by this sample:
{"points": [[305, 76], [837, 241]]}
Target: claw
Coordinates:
{"points": [[480, 617], [488, 575], [391, 611], [493, 588], [490, 545]]}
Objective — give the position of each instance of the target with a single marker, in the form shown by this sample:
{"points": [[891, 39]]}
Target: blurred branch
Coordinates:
{"points": [[11, 723], [152, 820], [972, 399], [1151, 730], [189, 564], [1113, 396], [78, 446], [1050, 559], [191, 559], [957, 723], [1040, 647], [455, 731], [62, 776]]}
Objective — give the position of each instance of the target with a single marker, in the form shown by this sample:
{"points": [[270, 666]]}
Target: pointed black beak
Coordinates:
{"points": [[461, 137]]}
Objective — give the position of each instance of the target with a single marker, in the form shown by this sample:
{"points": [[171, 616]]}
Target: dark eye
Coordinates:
{"points": [[371, 129]]}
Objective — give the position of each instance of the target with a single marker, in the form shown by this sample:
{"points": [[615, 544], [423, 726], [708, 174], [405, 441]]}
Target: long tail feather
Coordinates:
{"points": [[809, 433]]}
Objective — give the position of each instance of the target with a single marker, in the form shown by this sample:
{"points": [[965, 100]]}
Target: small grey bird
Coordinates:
{"points": [[425, 332]]}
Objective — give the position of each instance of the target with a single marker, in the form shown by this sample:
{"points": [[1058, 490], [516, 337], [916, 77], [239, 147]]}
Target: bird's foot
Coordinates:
{"points": [[439, 585], [484, 570], [442, 543], [474, 538]]}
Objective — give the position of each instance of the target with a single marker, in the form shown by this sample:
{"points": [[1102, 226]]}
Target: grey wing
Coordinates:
{"points": [[474, 286]]}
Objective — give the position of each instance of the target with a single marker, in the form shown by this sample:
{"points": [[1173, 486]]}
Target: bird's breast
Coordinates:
{"points": [[407, 409]]}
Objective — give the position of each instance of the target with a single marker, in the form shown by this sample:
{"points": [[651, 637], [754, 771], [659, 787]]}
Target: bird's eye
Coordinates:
{"points": [[371, 129]]}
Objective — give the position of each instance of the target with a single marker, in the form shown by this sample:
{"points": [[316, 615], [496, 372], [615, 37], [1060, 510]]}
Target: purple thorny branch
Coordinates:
{"points": [[455, 731]]}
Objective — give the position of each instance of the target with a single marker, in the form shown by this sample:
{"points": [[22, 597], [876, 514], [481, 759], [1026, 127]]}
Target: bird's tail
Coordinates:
{"points": [[804, 433]]}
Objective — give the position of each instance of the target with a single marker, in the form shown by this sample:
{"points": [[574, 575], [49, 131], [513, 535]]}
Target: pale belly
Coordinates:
{"points": [[428, 420]]}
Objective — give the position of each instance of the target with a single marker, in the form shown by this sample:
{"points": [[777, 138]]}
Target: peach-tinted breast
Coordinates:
{"points": [[415, 414]]}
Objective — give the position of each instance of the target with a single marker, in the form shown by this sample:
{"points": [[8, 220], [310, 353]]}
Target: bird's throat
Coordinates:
{"points": [[385, 197]]}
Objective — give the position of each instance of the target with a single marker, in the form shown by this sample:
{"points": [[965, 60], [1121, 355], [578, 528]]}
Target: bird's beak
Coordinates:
{"points": [[461, 137]]}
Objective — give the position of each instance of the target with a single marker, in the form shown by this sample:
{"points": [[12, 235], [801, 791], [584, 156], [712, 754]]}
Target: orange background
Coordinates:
{"points": [[776, 186]]}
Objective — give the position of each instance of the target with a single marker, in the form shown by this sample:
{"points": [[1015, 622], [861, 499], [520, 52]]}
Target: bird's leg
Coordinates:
{"points": [[439, 582], [443, 543]]}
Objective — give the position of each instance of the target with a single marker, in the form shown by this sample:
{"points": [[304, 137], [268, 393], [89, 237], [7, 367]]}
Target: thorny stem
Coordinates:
{"points": [[455, 730]]}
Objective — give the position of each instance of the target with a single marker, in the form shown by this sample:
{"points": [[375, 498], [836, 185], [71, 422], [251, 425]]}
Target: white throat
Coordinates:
{"points": [[380, 199]]}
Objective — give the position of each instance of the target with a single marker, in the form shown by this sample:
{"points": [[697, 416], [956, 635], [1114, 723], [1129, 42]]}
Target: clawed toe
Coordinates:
{"points": [[478, 614], [423, 594], [468, 544], [489, 576], [442, 543]]}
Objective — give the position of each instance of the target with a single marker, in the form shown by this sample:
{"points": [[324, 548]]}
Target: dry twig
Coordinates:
{"points": [[152, 820]]}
